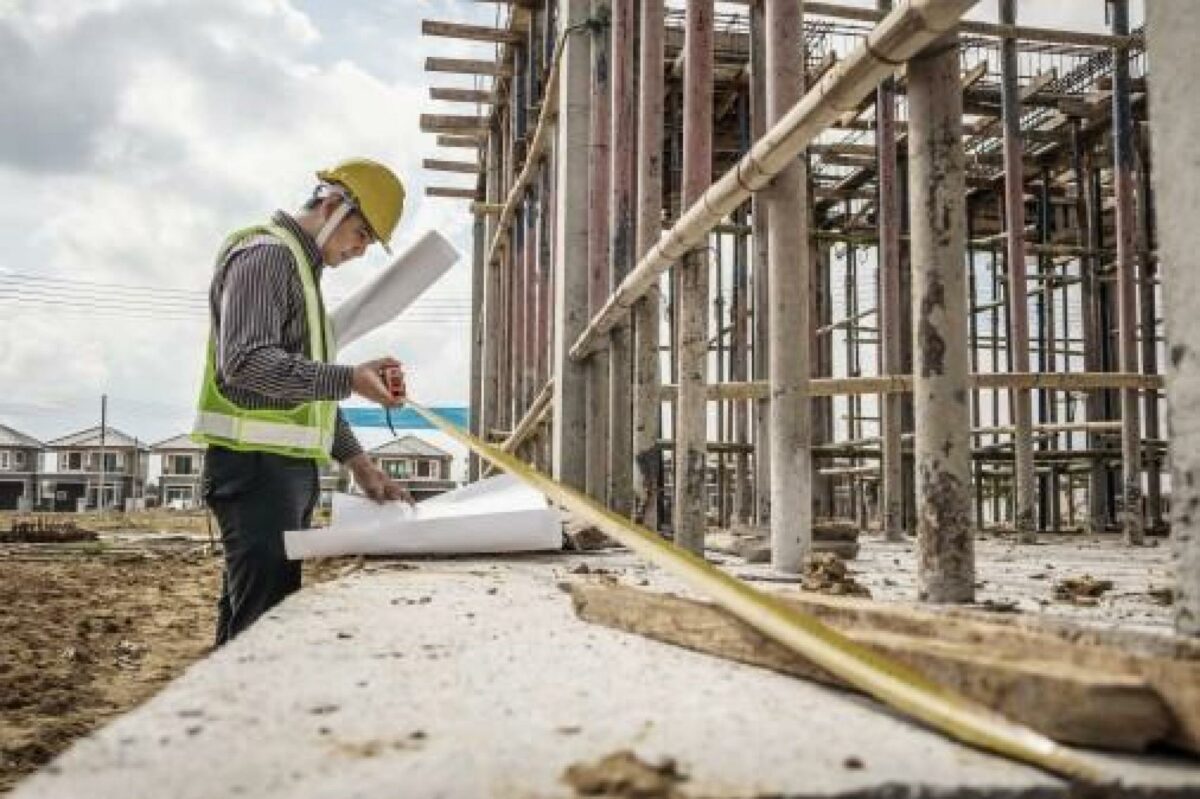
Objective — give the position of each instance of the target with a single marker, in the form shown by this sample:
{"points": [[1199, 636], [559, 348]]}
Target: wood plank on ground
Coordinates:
{"points": [[1075, 700]]}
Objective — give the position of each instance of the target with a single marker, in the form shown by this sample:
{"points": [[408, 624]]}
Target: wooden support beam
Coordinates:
{"points": [[474, 33], [468, 66], [446, 123], [454, 95], [465, 167], [1091, 694], [487, 209], [1039, 82], [974, 74], [460, 141], [451, 193]]}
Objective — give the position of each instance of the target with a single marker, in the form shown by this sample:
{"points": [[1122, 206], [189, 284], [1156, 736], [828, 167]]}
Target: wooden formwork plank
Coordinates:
{"points": [[451, 192], [438, 165], [455, 95], [474, 33], [468, 66], [1077, 694]]}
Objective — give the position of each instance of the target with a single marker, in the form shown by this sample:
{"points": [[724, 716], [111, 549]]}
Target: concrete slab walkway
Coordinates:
{"points": [[474, 678]]}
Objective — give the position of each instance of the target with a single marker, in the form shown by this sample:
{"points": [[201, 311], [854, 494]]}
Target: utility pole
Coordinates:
{"points": [[103, 425]]}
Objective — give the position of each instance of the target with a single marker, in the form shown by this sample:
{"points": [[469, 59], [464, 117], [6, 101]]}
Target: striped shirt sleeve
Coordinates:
{"points": [[260, 293], [345, 444]]}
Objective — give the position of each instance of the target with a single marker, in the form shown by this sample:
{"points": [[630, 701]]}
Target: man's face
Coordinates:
{"points": [[349, 240]]}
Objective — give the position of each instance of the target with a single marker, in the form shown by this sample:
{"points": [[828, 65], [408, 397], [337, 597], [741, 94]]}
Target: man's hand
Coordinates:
{"points": [[374, 482], [368, 383]]}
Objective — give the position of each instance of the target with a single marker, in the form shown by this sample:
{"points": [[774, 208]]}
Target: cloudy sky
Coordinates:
{"points": [[138, 132]]}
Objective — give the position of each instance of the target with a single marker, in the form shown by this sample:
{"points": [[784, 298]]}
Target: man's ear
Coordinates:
{"points": [[327, 207]]}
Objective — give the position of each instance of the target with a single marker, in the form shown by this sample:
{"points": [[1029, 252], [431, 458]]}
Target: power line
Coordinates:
{"points": [[40, 306], [10, 276]]}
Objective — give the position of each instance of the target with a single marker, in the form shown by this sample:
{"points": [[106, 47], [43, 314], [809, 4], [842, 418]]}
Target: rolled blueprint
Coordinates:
{"points": [[496, 515], [394, 289]]}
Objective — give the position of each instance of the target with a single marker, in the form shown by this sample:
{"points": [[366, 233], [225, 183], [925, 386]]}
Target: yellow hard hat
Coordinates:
{"points": [[375, 190]]}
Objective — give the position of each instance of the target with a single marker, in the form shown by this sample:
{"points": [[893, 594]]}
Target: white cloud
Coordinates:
{"points": [[139, 132]]}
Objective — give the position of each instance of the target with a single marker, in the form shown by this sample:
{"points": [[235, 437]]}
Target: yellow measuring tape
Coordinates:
{"points": [[892, 683]]}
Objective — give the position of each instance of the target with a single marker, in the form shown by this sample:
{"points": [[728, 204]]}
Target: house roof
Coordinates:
{"points": [[183, 441], [113, 438], [411, 445], [15, 438]]}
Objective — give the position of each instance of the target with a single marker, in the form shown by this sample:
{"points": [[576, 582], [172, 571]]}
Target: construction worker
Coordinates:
{"points": [[268, 402]]}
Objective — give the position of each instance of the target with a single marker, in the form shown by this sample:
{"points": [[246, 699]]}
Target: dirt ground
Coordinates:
{"points": [[88, 631]]}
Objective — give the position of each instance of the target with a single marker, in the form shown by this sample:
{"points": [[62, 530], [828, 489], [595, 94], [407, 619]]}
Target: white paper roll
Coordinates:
{"points": [[496, 515], [394, 289]]}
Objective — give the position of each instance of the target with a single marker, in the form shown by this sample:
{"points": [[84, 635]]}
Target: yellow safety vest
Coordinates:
{"points": [[305, 431]]}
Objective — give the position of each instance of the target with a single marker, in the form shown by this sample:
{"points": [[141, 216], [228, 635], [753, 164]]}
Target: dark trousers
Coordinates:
{"points": [[255, 497]]}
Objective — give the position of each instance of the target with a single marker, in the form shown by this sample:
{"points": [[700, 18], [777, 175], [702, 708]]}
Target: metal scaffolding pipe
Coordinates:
{"points": [[1126, 228], [758, 238], [691, 472], [904, 32], [942, 447], [492, 304], [599, 173], [892, 505], [1018, 310], [647, 409], [623, 141], [477, 337], [787, 270]]}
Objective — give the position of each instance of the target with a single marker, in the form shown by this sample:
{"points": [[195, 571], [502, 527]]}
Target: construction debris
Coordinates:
{"points": [[825, 573], [45, 531], [623, 775], [1085, 590]]}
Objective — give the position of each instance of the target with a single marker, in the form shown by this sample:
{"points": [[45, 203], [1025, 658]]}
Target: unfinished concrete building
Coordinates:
{"points": [[737, 265]]}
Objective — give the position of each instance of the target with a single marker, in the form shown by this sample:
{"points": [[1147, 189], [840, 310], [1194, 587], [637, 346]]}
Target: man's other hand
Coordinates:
{"points": [[376, 483]]}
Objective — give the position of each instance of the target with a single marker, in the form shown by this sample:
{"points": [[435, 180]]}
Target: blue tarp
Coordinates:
{"points": [[407, 418]]}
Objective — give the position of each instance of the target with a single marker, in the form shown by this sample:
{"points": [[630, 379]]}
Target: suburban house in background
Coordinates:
{"points": [[20, 462], [334, 477], [418, 465], [182, 461], [93, 471]]}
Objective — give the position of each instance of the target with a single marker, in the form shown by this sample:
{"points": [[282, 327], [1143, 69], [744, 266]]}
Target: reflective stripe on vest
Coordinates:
{"points": [[305, 431]]}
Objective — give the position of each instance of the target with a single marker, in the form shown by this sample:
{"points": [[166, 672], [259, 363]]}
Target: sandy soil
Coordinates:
{"points": [[88, 631]]}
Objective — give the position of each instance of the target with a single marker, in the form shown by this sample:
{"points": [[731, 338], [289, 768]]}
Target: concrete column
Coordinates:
{"points": [[647, 405], [621, 250], [788, 267], [1018, 304], [1127, 318], [1172, 31], [892, 504], [691, 490], [758, 267], [571, 246], [946, 562], [598, 267]]}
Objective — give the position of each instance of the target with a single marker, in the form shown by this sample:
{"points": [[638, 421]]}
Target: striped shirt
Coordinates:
{"points": [[259, 325]]}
